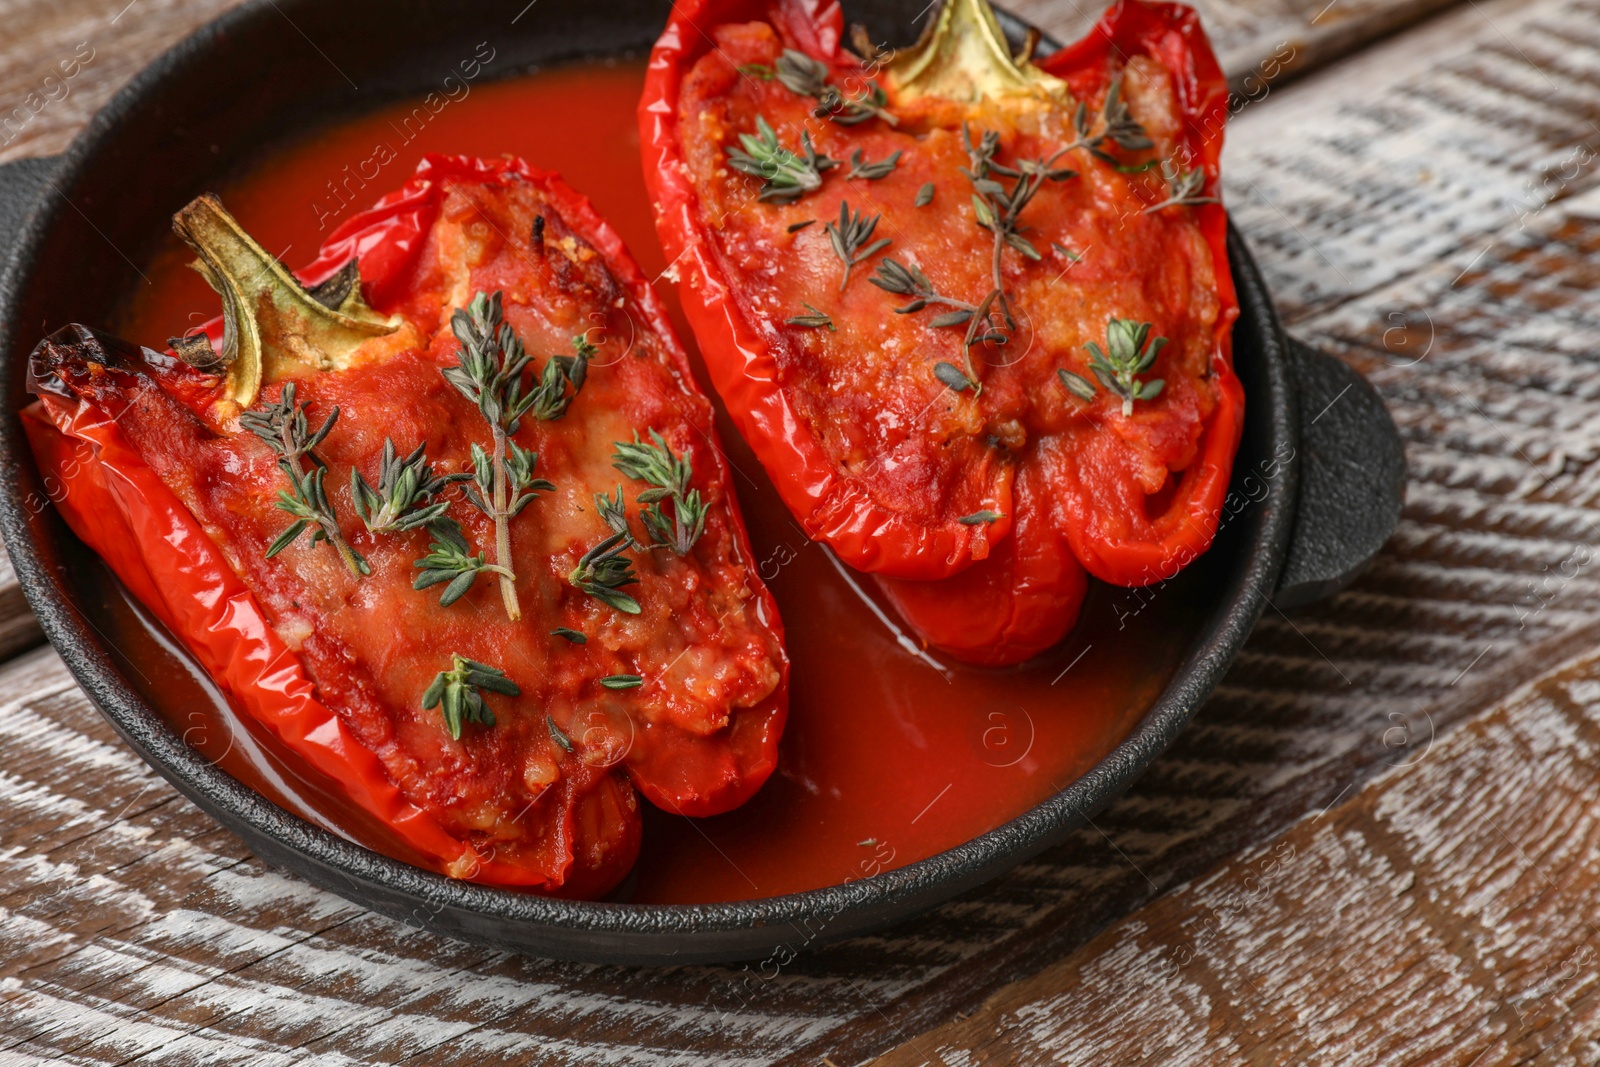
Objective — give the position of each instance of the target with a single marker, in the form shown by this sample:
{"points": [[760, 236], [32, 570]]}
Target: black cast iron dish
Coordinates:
{"points": [[1317, 483]]}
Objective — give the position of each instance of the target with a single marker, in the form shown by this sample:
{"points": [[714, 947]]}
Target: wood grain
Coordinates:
{"points": [[1444, 915], [133, 927], [1261, 42]]}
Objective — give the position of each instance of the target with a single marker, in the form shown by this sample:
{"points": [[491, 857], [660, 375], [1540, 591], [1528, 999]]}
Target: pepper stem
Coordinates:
{"points": [[273, 327], [963, 55]]}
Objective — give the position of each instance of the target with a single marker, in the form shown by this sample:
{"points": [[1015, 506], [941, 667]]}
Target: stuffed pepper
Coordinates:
{"points": [[971, 308], [447, 514]]}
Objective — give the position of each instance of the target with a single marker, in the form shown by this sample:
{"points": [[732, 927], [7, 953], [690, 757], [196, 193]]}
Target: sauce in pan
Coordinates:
{"points": [[890, 755]]}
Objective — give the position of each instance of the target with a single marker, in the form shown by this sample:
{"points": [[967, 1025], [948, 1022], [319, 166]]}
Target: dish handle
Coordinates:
{"points": [[1352, 478]]}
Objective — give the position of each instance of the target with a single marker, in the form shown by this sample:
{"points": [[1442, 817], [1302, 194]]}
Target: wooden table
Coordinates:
{"points": [[1377, 844]]}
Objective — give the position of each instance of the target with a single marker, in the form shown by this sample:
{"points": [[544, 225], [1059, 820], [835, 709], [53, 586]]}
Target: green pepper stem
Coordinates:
{"points": [[272, 326], [964, 56]]}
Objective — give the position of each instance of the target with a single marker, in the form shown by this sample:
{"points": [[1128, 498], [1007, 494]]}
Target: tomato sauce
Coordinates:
{"points": [[890, 755]]}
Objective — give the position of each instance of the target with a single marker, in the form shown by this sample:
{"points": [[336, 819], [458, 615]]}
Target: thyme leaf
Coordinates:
{"points": [[850, 236], [1076, 384], [669, 475], [1125, 357], [604, 570], [285, 429], [557, 734], [622, 681], [815, 320], [458, 692], [979, 518], [577, 637], [925, 194], [786, 176]]}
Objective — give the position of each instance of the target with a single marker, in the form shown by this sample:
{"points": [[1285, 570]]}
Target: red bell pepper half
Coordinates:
{"points": [[972, 312], [490, 642]]}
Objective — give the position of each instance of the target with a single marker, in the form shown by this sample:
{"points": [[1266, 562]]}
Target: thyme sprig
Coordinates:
{"points": [[1125, 357], [521, 486], [786, 175], [1182, 187], [604, 570], [850, 237], [669, 476], [1116, 125], [490, 365], [406, 494], [285, 429], [998, 208], [550, 397], [980, 319], [459, 692], [451, 559], [860, 168], [895, 277], [613, 511], [805, 76]]}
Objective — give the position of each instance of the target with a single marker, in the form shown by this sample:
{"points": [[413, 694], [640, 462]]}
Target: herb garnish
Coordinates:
{"points": [[796, 227], [979, 518], [457, 691], [849, 237], [817, 319], [550, 396], [925, 194], [786, 176], [1076, 384], [999, 209], [284, 428], [489, 370], [1182, 185], [622, 681], [860, 168], [451, 559], [1126, 356], [669, 475], [613, 511], [804, 76], [404, 497], [1118, 126], [895, 277], [577, 637], [604, 570], [557, 734]]}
